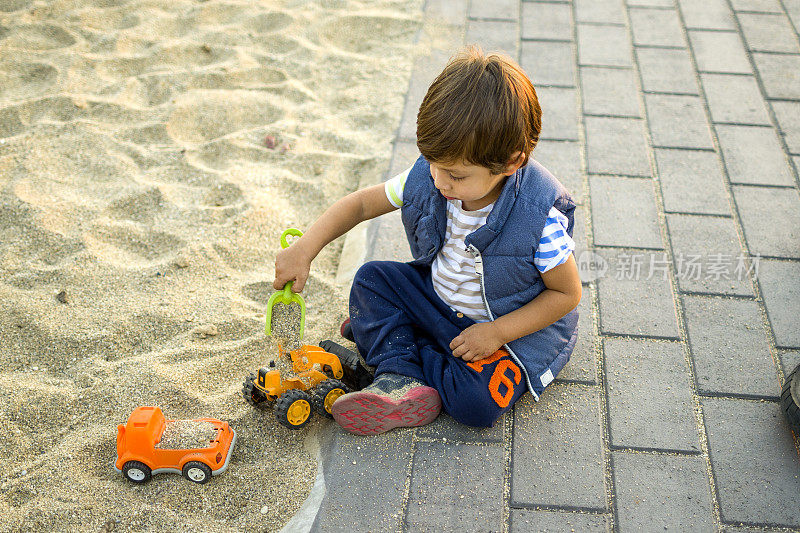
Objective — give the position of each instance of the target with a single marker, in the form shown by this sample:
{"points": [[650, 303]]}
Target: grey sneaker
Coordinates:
{"points": [[390, 401]]}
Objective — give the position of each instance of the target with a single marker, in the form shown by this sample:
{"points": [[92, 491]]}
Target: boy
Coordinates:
{"points": [[487, 310]]}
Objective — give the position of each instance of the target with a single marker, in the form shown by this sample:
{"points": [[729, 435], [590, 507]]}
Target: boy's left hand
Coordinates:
{"points": [[476, 342]]}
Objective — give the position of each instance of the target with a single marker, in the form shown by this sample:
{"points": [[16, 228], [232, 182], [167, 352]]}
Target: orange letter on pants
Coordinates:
{"points": [[499, 377], [496, 356]]}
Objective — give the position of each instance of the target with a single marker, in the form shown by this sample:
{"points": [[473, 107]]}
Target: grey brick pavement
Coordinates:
{"points": [[675, 125]]}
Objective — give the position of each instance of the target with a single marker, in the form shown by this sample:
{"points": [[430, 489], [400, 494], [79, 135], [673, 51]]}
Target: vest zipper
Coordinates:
{"points": [[476, 254]]}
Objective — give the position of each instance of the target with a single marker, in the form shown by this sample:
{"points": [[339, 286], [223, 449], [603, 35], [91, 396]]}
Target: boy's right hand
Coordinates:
{"points": [[292, 264]]}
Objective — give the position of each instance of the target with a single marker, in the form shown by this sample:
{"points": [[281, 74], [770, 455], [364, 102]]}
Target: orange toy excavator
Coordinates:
{"points": [[316, 382]]}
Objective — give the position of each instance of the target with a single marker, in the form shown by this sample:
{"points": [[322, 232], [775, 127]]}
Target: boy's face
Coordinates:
{"points": [[474, 185]]}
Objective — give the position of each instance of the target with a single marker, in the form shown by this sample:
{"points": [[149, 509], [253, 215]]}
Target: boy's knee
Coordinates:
{"points": [[374, 270], [366, 277], [366, 271]]}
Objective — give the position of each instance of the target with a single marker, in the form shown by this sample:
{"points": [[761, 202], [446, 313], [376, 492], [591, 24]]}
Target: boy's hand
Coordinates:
{"points": [[476, 342], [292, 264]]}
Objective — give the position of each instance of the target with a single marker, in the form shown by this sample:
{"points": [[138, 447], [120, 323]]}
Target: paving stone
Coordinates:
{"points": [[610, 91], [579, 231], [685, 172], [649, 398], [386, 239], [735, 98], [425, 70], [581, 366], [525, 521], [549, 63], [563, 159], [706, 252], [768, 33], [766, 6], [783, 206], [666, 70], [405, 154], [449, 12], [753, 154], [781, 292], [372, 503], [494, 36], [624, 212], [771, 220], [793, 10], [616, 146], [446, 428], [630, 303], [662, 493], [717, 51], [604, 46], [546, 21], [754, 460], [790, 359], [730, 347], [651, 3], [612, 11], [707, 14], [746, 529], [558, 441], [678, 121], [452, 486], [559, 113], [787, 113], [500, 9], [656, 27], [780, 75]]}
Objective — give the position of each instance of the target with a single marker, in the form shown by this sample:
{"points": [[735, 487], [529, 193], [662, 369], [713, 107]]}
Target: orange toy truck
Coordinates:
{"points": [[141, 452], [315, 382]]}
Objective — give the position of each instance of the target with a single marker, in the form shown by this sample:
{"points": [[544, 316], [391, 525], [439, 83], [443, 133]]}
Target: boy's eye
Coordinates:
{"points": [[456, 178]]}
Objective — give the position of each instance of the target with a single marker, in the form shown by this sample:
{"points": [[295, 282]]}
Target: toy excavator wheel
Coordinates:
{"points": [[253, 395], [293, 408], [325, 394], [197, 472], [137, 472]]}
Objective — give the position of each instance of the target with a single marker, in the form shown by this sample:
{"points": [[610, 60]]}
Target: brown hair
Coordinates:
{"points": [[481, 109]]}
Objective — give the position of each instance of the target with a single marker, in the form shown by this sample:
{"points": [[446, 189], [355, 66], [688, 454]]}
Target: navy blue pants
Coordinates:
{"points": [[401, 325]]}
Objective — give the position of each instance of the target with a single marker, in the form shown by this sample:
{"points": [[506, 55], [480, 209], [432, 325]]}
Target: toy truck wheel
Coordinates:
{"points": [[136, 472], [790, 399], [252, 395], [293, 408], [325, 394], [197, 472]]}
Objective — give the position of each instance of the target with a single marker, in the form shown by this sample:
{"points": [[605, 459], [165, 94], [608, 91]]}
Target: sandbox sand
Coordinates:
{"points": [[140, 210]]}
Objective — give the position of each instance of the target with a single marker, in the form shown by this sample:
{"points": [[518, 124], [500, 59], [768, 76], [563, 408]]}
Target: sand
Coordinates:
{"points": [[151, 153], [186, 434]]}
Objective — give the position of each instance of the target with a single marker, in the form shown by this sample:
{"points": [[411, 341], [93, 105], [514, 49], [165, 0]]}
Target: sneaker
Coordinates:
{"points": [[346, 330], [390, 401]]}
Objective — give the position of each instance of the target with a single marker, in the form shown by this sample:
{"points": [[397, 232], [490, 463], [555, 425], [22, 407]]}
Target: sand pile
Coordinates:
{"points": [[186, 434], [151, 153]]}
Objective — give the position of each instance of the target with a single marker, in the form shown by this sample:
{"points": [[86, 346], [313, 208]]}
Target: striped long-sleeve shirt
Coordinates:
{"points": [[454, 277]]}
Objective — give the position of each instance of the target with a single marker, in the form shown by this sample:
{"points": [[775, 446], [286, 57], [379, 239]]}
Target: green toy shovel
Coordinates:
{"points": [[286, 296]]}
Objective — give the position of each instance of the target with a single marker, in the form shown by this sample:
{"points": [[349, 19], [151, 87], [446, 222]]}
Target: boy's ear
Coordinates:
{"points": [[514, 162]]}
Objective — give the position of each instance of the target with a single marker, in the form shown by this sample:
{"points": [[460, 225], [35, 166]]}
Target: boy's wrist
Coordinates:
{"points": [[500, 332], [306, 248]]}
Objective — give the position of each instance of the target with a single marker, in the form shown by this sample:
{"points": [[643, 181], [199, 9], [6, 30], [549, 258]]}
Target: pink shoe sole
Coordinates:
{"points": [[367, 413]]}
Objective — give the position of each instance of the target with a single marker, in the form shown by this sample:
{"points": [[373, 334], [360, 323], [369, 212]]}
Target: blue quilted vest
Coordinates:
{"points": [[503, 249]]}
